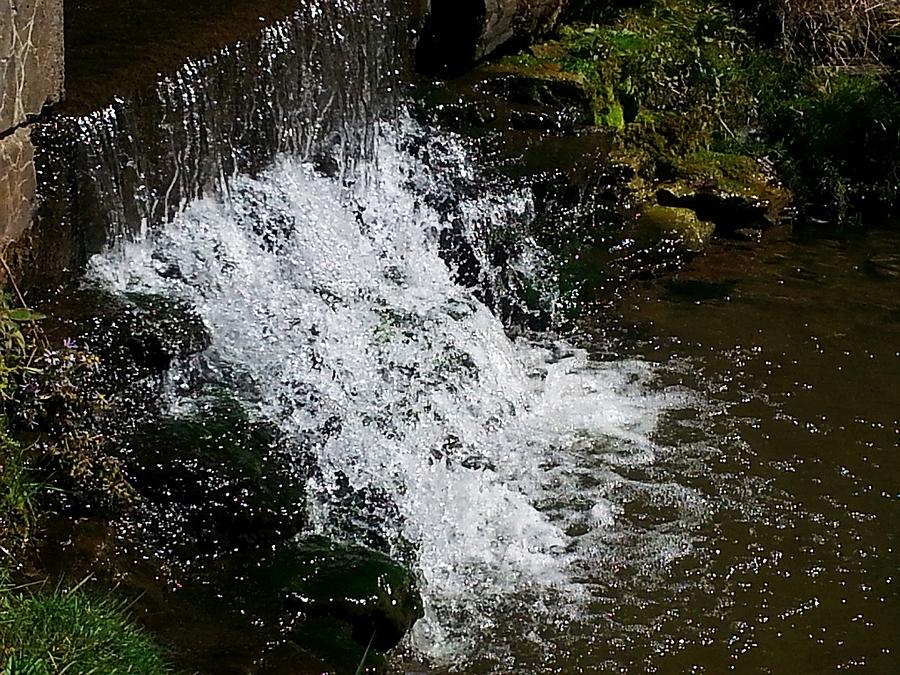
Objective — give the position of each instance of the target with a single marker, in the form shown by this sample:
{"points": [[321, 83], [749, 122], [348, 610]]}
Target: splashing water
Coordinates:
{"points": [[346, 323]]}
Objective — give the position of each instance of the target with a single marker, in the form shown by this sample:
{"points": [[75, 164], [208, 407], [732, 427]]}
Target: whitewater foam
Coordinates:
{"points": [[336, 307]]}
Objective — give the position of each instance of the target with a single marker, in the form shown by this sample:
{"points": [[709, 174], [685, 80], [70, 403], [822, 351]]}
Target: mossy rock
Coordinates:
{"points": [[330, 642], [487, 99], [733, 191], [134, 335], [661, 223], [543, 79], [219, 474], [377, 597]]}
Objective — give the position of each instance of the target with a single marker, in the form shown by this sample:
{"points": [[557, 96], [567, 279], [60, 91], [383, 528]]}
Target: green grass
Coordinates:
{"points": [[18, 497], [48, 632], [18, 490], [841, 144]]}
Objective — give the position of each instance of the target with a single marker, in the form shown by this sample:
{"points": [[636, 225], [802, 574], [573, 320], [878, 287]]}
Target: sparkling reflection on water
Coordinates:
{"points": [[795, 347]]}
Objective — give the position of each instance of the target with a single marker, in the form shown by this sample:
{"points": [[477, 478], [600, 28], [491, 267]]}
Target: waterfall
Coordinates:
{"points": [[492, 463], [309, 85]]}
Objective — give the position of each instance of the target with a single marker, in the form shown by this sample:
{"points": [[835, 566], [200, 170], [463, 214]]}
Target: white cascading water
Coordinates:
{"points": [[335, 304]]}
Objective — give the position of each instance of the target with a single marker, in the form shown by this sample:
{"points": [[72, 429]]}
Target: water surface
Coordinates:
{"points": [[793, 347]]}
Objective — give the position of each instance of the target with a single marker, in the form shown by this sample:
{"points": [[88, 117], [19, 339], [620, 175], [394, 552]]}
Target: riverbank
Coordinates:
{"points": [[706, 103]]}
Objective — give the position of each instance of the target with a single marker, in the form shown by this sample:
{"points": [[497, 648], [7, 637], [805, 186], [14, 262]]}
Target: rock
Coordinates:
{"points": [[499, 97], [217, 477], [561, 93], [733, 191], [324, 580], [31, 69], [331, 642], [135, 335], [18, 185], [458, 33], [657, 223]]}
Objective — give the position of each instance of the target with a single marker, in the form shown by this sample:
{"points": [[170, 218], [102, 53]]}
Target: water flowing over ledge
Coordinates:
{"points": [[340, 257], [336, 318], [309, 85]]}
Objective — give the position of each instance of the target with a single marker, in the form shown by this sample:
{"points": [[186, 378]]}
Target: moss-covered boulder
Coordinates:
{"points": [[331, 643], [500, 98], [667, 223], [733, 191], [134, 335], [547, 76], [366, 590], [216, 475]]}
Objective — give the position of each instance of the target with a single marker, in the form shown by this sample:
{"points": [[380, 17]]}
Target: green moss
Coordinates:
{"points": [[688, 58], [71, 632], [608, 110], [690, 87], [717, 166], [659, 223]]}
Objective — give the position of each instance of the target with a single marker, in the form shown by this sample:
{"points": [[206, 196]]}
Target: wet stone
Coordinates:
{"points": [[217, 479], [324, 581], [657, 223], [135, 335]]}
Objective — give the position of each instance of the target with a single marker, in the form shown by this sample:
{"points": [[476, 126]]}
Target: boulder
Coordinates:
{"points": [[458, 33], [217, 477], [658, 223], [735, 192], [323, 580], [135, 335]]}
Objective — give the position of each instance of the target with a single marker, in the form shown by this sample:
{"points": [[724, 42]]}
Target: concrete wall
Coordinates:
{"points": [[31, 76]]}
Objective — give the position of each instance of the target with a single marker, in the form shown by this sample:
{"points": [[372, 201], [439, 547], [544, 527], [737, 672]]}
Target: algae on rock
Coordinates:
{"points": [[681, 225]]}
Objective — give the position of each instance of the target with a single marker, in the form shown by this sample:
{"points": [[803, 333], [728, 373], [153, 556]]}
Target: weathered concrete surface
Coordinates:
{"points": [[31, 58], [18, 183]]}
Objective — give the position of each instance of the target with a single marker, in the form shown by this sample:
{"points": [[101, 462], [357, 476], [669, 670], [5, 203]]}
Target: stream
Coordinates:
{"points": [[700, 478]]}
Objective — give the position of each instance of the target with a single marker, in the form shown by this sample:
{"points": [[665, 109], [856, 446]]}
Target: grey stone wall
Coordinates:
{"points": [[17, 185], [31, 76], [31, 58]]}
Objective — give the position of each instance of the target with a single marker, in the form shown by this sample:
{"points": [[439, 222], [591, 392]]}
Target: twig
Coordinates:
{"points": [[362, 663]]}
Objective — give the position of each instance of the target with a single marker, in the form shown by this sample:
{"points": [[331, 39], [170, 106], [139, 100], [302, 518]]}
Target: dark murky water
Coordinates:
{"points": [[795, 349]]}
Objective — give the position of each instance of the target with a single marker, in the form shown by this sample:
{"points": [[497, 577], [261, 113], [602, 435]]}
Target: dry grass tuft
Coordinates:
{"points": [[837, 32]]}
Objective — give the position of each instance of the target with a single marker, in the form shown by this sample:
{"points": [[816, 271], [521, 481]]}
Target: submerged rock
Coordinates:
{"points": [[374, 596], [326, 645], [216, 476]]}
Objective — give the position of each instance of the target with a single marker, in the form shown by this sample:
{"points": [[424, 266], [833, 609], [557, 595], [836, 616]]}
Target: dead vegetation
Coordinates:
{"points": [[837, 32]]}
